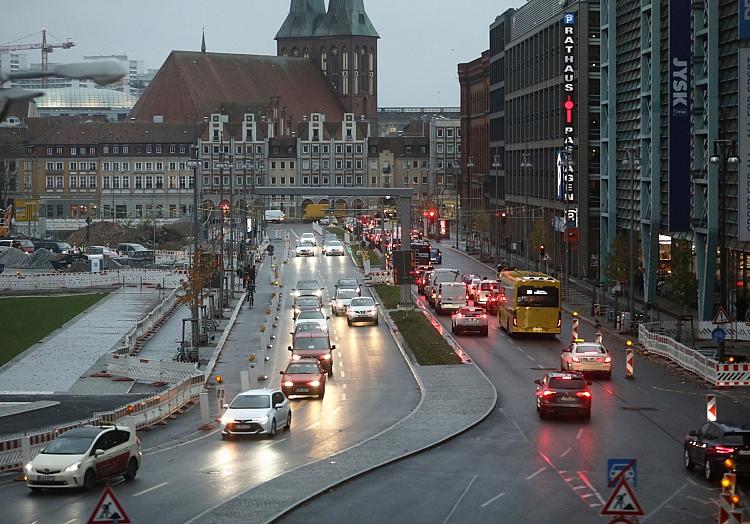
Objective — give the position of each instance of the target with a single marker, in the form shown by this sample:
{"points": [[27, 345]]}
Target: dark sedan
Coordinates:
{"points": [[718, 448], [564, 393]]}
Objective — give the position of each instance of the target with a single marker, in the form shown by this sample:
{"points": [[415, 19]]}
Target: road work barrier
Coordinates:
{"points": [[147, 326], [30, 282]]}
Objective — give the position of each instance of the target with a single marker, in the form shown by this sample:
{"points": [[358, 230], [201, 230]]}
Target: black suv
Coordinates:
{"points": [[563, 392], [718, 448]]}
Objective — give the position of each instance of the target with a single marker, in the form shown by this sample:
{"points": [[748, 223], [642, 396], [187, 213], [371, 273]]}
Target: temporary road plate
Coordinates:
{"points": [[108, 510], [622, 501], [615, 469]]}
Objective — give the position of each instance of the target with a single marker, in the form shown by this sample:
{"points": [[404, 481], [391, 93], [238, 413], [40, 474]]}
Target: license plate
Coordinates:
{"points": [[303, 390], [46, 478], [567, 399], [744, 452], [242, 426], [537, 329], [472, 320]]}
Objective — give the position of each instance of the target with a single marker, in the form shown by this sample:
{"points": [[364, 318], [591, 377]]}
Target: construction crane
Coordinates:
{"points": [[45, 46]]}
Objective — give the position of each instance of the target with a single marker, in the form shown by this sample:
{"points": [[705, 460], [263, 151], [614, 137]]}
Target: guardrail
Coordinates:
{"points": [[317, 228], [149, 370], [146, 324], [21, 281], [17, 450]]}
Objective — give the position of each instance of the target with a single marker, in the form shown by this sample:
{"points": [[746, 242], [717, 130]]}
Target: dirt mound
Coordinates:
{"points": [[40, 259], [14, 258], [111, 234]]}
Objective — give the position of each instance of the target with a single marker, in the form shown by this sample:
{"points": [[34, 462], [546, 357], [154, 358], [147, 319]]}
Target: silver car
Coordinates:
{"points": [[362, 309], [305, 249], [334, 248], [470, 319], [256, 412], [341, 302], [586, 357]]}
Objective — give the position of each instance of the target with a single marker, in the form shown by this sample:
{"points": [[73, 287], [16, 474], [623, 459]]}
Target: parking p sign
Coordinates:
{"points": [[615, 469]]}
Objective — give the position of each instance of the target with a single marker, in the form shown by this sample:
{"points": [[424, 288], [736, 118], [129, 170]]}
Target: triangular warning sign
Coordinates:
{"points": [[622, 501], [722, 317], [108, 510]]}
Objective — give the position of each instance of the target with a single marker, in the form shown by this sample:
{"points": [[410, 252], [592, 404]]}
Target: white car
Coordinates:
{"points": [[311, 317], [305, 249], [483, 292], [342, 300], [470, 319], [586, 357], [309, 237], [81, 457], [256, 412], [334, 249], [362, 309]]}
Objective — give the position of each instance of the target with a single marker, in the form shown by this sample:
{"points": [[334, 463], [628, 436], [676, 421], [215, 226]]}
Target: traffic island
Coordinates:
{"points": [[390, 296], [428, 346]]}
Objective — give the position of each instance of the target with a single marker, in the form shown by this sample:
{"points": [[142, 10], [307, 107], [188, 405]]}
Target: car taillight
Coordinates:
{"points": [[585, 394], [559, 320], [482, 316], [515, 319], [608, 359], [575, 359], [288, 384], [600, 359], [723, 450], [547, 393]]}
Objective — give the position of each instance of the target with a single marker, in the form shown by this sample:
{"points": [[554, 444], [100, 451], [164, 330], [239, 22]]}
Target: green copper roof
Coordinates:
{"points": [[346, 18], [303, 19]]}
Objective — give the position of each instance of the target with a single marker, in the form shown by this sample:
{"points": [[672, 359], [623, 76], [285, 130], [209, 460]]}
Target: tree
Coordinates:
{"points": [[682, 282], [201, 274]]}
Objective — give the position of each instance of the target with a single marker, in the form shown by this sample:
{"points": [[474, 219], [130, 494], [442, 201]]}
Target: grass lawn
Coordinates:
{"points": [[27, 320], [338, 231], [389, 295], [428, 346]]}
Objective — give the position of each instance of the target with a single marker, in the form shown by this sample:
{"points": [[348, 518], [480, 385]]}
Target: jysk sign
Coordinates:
{"points": [[744, 19], [679, 115], [743, 108], [566, 165]]}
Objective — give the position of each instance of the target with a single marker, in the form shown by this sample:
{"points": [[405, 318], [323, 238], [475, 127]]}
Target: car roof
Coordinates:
{"points": [[563, 374], [85, 431], [299, 282], [257, 392]]}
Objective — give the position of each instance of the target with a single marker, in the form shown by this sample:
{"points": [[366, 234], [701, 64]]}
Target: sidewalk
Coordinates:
{"points": [[57, 362]]}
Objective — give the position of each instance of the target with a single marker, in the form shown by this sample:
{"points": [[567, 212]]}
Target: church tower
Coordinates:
{"points": [[342, 42]]}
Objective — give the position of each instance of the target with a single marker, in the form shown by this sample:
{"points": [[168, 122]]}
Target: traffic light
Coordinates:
{"points": [[503, 217], [225, 209], [542, 251], [432, 215]]}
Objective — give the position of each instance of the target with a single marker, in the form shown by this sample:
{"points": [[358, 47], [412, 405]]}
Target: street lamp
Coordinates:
{"points": [[470, 230], [495, 167], [194, 164], [723, 157], [526, 165], [632, 162], [228, 164]]}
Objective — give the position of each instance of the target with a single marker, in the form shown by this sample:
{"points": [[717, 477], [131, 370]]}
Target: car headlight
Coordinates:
{"points": [[296, 293], [288, 384], [226, 420], [296, 357], [261, 420], [315, 383], [29, 467], [73, 467], [327, 356], [317, 293]]}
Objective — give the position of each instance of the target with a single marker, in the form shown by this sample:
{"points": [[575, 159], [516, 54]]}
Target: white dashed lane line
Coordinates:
{"points": [[564, 453], [493, 499], [580, 433], [150, 489], [536, 473], [312, 426]]}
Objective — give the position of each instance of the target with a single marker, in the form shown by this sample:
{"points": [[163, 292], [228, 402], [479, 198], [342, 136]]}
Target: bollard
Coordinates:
{"points": [[220, 398], [711, 411], [599, 337], [25, 450], [629, 360], [574, 332], [205, 412], [264, 376], [245, 380], [252, 371]]}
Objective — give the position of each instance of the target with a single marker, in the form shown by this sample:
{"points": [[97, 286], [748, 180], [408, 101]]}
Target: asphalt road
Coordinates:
{"points": [[515, 467], [186, 472]]}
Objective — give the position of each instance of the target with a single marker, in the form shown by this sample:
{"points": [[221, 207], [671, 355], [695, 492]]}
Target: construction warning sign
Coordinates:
{"points": [[622, 501], [108, 510]]}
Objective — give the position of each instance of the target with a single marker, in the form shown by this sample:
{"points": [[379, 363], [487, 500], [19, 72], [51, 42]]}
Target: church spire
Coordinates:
{"points": [[203, 41], [347, 18], [302, 20]]}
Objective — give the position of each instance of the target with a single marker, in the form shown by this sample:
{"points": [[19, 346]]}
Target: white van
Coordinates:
{"points": [[438, 276], [451, 296], [275, 216]]}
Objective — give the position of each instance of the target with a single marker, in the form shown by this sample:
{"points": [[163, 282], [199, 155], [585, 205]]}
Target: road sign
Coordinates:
{"points": [[722, 317], [618, 468], [719, 335], [729, 516], [622, 501], [108, 510], [711, 411]]}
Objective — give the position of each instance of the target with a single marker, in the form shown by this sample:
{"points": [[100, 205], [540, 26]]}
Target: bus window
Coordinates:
{"points": [[543, 296]]}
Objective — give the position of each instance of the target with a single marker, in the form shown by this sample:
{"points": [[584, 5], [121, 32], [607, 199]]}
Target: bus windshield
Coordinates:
{"points": [[538, 296]]}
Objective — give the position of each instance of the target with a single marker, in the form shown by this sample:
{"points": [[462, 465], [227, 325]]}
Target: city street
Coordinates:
{"points": [[517, 467], [188, 471]]}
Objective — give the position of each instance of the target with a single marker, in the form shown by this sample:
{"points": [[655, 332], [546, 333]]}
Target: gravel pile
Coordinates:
{"points": [[14, 258], [40, 259]]}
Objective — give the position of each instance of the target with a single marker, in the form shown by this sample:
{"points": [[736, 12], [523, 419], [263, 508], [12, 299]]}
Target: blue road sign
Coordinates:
{"points": [[719, 334], [617, 467]]}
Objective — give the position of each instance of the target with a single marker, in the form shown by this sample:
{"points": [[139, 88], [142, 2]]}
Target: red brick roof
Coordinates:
{"points": [[190, 86]]}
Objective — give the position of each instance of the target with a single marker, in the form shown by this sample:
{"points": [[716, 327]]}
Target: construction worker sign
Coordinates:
{"points": [[108, 510]]}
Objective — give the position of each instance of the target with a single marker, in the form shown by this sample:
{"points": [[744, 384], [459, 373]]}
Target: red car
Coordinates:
{"points": [[303, 377]]}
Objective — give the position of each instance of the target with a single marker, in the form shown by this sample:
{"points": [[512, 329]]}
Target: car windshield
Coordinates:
{"points": [[68, 446], [303, 368], [346, 294], [311, 343], [567, 383], [308, 285], [311, 315], [334, 244], [309, 327], [251, 402], [545, 296], [487, 286], [364, 301], [347, 282], [589, 348], [308, 302]]}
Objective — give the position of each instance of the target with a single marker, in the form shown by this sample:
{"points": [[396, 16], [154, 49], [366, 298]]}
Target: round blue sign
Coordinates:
{"points": [[719, 334]]}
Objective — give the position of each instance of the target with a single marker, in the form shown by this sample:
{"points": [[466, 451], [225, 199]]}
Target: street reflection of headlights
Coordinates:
{"points": [[288, 384], [326, 357]]}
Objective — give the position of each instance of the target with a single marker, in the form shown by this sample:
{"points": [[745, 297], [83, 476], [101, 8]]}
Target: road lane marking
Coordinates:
{"points": [[150, 489], [566, 452], [344, 386], [580, 433], [274, 443], [183, 443], [341, 364], [460, 498], [340, 355], [696, 499], [586, 481], [530, 357], [338, 408], [667, 501], [536, 473], [493, 499], [312, 426], [519, 348], [70, 521], [343, 375]]}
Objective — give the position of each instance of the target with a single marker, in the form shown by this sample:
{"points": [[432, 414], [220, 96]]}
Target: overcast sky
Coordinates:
{"points": [[421, 40]]}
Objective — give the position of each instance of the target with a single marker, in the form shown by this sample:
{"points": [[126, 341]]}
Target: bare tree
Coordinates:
{"points": [[10, 152]]}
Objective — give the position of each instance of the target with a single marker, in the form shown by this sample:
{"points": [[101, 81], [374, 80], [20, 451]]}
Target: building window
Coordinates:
{"points": [[172, 182], [139, 182], [273, 165], [217, 181], [73, 166], [172, 150], [73, 151], [149, 166], [105, 182], [305, 180], [173, 165], [339, 149], [105, 150], [126, 182], [49, 182], [139, 166], [183, 182], [125, 166], [149, 182], [439, 132], [316, 181], [148, 149], [73, 182], [82, 182], [49, 151], [160, 166], [115, 182], [59, 166], [439, 148], [359, 164], [125, 150], [359, 180], [92, 182], [339, 180], [159, 182], [373, 181]]}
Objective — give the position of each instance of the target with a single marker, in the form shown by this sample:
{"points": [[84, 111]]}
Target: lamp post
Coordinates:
{"points": [[228, 164], [194, 164], [470, 229], [723, 157], [496, 166], [526, 165], [632, 163]]}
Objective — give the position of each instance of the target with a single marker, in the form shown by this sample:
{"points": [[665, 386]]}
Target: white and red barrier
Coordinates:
{"points": [[733, 375], [21, 281], [149, 370], [711, 411]]}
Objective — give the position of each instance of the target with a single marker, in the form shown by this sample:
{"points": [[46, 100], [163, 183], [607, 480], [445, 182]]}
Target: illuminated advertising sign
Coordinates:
{"points": [[566, 164], [743, 185], [744, 19]]}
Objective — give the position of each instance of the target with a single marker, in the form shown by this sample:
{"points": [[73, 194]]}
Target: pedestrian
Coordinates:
{"points": [[251, 273]]}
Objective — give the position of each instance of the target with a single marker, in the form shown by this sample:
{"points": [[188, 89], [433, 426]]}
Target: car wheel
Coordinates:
{"points": [[288, 421], [272, 433], [708, 471], [349, 322], [225, 437], [453, 329], [89, 480], [330, 371], [542, 414], [608, 375], [376, 322], [687, 462], [132, 469]]}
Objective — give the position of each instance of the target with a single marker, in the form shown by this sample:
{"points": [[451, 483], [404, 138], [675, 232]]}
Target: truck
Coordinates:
{"points": [[275, 216], [6, 220], [315, 212]]}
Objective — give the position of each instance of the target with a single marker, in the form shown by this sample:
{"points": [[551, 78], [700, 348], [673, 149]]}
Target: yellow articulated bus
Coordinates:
{"points": [[529, 303]]}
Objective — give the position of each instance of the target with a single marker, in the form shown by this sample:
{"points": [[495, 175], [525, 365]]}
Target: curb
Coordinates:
{"points": [[223, 339]]}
